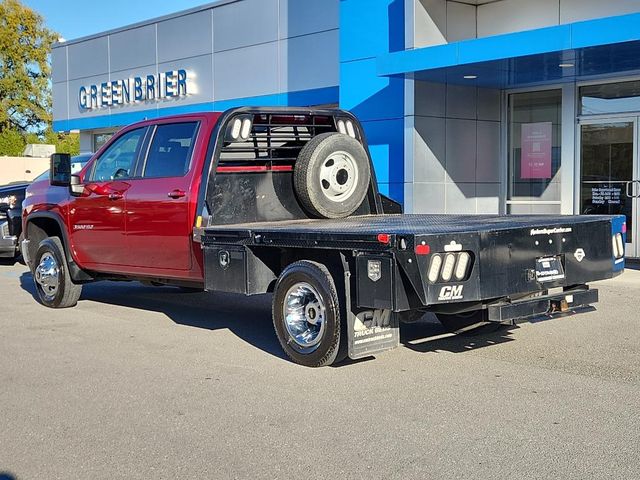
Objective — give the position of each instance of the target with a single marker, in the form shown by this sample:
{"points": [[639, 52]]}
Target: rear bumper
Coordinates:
{"points": [[561, 302]]}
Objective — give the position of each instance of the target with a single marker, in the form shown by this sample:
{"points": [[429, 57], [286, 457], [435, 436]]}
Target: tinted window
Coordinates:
{"points": [[118, 160], [170, 150]]}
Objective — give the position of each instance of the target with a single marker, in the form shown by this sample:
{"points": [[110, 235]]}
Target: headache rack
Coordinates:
{"points": [[275, 139]]}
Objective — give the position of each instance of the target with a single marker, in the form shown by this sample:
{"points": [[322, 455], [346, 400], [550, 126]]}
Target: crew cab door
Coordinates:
{"points": [[159, 224], [97, 217]]}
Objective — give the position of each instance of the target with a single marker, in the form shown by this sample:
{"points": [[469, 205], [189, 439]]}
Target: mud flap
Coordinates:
{"points": [[369, 331]]}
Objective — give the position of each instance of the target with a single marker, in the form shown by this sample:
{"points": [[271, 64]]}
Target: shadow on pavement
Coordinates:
{"points": [[250, 317], [428, 335]]}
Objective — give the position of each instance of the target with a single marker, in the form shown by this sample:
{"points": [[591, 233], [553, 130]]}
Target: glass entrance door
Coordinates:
{"points": [[609, 172]]}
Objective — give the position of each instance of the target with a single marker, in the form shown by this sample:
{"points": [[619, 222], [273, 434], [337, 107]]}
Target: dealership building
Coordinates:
{"points": [[469, 106]]}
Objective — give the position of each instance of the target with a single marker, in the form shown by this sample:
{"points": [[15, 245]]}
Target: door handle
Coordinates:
{"points": [[176, 194], [115, 196]]}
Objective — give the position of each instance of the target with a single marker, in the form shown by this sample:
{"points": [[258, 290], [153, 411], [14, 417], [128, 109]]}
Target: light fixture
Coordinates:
{"points": [[240, 128], [434, 268], [461, 267], [566, 65], [470, 77], [447, 269]]}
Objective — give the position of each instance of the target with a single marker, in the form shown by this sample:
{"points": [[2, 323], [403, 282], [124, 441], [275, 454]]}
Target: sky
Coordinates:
{"points": [[73, 19]]}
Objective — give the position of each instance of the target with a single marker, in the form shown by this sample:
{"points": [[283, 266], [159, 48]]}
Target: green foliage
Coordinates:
{"points": [[64, 142], [11, 143], [25, 91]]}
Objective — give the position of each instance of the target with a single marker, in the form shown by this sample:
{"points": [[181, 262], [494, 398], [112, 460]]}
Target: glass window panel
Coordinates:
{"points": [[535, 133], [170, 151], [118, 160], [606, 152], [610, 98], [99, 139]]}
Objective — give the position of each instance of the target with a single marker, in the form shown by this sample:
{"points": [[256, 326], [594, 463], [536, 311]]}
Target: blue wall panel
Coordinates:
{"points": [[385, 138], [367, 95], [368, 29]]}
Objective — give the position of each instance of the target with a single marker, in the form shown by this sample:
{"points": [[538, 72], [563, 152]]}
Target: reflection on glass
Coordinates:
{"points": [[607, 168], [610, 98], [99, 139]]}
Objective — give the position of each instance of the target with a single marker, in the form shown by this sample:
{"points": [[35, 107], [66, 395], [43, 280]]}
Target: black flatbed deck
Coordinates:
{"points": [[407, 224], [366, 228]]}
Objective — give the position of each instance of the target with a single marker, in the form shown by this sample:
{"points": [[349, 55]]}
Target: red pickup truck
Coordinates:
{"points": [[285, 201]]}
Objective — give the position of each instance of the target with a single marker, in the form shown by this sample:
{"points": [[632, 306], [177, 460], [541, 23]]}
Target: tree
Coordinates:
{"points": [[64, 142], [11, 143], [25, 90]]}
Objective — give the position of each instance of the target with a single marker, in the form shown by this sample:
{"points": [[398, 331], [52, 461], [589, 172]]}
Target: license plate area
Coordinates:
{"points": [[549, 269]]}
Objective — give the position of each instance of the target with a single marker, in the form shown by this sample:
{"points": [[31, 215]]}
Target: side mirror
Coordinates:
{"points": [[75, 187], [60, 170]]}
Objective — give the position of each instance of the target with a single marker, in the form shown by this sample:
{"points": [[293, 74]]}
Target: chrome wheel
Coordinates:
{"points": [[339, 176], [47, 275], [305, 316]]}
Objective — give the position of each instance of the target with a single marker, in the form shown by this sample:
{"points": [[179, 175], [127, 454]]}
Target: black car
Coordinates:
{"points": [[11, 197]]}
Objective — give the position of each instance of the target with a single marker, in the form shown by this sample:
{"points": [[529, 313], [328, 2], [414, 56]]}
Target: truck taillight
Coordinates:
{"points": [[618, 245], [434, 268], [445, 267], [463, 264]]}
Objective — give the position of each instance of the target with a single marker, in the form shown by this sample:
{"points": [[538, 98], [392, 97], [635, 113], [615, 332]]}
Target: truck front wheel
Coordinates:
{"points": [[306, 314], [54, 286]]}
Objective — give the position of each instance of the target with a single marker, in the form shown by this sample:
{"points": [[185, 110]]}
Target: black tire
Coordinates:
{"points": [[470, 324], [327, 164], [327, 349], [67, 293]]}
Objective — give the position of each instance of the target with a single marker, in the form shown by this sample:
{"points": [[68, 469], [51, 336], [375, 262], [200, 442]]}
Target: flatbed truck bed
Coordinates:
{"points": [[285, 201]]}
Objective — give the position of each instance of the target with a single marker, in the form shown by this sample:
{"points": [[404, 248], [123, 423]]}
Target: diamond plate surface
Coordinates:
{"points": [[408, 224]]}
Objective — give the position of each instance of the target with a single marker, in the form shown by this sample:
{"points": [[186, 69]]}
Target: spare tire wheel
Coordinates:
{"points": [[332, 175]]}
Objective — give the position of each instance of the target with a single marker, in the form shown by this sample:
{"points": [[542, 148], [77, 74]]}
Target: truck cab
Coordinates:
{"points": [[137, 202]]}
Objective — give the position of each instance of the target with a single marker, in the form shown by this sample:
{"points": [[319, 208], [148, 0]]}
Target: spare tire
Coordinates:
{"points": [[332, 175]]}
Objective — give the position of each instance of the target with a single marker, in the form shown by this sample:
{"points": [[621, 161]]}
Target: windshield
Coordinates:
{"points": [[77, 163]]}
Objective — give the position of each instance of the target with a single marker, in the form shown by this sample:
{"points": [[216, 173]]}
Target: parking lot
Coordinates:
{"points": [[144, 382]]}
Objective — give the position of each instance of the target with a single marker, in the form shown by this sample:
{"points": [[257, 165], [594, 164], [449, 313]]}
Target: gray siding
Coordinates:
{"points": [[443, 21], [456, 150], [234, 50]]}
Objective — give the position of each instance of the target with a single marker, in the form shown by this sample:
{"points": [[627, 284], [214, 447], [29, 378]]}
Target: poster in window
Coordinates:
{"points": [[536, 150]]}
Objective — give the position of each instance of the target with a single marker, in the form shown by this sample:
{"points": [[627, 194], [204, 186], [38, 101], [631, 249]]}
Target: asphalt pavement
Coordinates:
{"points": [[144, 382]]}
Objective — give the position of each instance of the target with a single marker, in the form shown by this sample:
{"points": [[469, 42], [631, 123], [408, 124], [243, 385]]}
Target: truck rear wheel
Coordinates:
{"points": [[54, 286], [471, 323], [306, 315], [332, 175]]}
